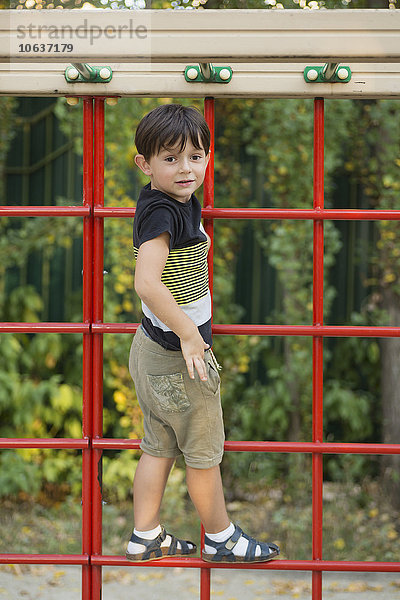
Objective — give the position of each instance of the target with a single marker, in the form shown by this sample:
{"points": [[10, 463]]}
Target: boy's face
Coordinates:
{"points": [[178, 174]]}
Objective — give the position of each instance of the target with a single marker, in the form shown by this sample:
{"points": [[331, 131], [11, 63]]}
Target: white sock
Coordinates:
{"points": [[135, 548], [151, 534], [239, 549]]}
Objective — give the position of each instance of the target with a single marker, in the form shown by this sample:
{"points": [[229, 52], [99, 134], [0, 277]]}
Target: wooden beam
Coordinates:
{"points": [[163, 80], [103, 36]]}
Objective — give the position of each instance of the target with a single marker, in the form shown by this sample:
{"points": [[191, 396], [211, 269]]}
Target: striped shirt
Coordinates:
{"points": [[185, 273]]}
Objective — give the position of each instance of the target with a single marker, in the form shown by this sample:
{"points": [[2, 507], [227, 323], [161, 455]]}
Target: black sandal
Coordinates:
{"points": [[154, 551], [224, 549]]}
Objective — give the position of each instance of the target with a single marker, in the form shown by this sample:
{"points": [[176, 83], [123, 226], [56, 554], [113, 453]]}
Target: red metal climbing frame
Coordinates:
{"points": [[92, 442]]}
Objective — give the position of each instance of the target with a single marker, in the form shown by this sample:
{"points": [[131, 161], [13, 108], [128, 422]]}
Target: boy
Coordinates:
{"points": [[171, 361]]}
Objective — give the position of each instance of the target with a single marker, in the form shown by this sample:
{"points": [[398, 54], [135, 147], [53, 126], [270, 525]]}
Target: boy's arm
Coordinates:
{"points": [[150, 264]]}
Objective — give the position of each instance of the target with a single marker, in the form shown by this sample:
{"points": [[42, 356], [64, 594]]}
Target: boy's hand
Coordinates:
{"points": [[193, 353]]}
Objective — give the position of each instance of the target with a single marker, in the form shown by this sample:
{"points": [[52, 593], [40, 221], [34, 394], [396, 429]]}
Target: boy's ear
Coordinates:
{"points": [[142, 163]]}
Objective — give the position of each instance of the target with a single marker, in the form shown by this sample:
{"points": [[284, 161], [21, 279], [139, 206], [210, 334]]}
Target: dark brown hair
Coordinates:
{"points": [[167, 124]]}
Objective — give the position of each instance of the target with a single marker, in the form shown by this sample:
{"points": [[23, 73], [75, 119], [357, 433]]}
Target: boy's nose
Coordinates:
{"points": [[185, 166]]}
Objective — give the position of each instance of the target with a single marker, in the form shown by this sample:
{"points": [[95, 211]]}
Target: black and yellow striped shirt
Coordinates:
{"points": [[185, 273]]}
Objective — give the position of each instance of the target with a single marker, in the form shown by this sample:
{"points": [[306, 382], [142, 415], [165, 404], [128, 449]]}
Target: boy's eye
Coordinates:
{"points": [[169, 158], [196, 157]]}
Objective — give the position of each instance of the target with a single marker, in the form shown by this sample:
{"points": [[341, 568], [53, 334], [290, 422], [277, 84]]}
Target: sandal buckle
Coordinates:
{"points": [[229, 544]]}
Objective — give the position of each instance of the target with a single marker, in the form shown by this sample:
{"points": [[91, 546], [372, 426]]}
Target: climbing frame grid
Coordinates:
{"points": [[93, 328]]}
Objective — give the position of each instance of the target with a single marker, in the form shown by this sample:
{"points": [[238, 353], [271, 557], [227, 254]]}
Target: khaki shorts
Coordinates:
{"points": [[181, 415]]}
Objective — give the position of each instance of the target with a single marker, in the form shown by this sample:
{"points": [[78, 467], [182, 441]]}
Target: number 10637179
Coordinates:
{"points": [[57, 48]]}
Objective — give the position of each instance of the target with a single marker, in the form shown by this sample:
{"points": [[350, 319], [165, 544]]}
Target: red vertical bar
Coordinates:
{"points": [[318, 309], [98, 267], [87, 343], [209, 112]]}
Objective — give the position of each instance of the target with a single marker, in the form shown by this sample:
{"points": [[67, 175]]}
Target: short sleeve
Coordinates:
{"points": [[155, 221]]}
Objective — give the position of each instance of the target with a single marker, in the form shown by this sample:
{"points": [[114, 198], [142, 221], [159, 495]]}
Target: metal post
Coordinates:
{"points": [[98, 262], [87, 422], [209, 114], [318, 292], [329, 70], [208, 202], [206, 70], [85, 70]]}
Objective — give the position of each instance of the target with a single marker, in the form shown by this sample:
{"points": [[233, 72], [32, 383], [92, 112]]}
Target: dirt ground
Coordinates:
{"points": [[64, 583]]}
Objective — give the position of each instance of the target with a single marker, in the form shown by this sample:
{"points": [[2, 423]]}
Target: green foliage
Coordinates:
{"points": [[18, 474], [272, 166], [381, 182], [35, 401], [118, 474], [263, 158], [7, 132]]}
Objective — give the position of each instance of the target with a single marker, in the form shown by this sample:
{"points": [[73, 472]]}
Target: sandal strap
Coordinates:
{"points": [[251, 549], [174, 544], [152, 546], [224, 549], [274, 547], [266, 548]]}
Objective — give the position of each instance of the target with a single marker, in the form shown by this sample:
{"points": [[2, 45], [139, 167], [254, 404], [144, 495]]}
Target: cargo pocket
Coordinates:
{"points": [[169, 391], [213, 379]]}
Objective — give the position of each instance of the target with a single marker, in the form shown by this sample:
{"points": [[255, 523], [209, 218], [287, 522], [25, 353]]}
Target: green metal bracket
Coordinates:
{"points": [[84, 73], [329, 73], [207, 73]]}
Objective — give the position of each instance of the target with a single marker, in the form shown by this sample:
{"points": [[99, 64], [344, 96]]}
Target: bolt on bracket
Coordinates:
{"points": [[207, 73], [84, 73], [329, 73]]}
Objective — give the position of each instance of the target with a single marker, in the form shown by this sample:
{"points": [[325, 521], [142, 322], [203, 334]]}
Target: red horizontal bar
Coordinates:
{"points": [[44, 559], [284, 330], [299, 213], [44, 211], [281, 565], [274, 330], [312, 447], [197, 563], [44, 328], [43, 443], [251, 446], [273, 213], [308, 330], [115, 444], [113, 211], [114, 327]]}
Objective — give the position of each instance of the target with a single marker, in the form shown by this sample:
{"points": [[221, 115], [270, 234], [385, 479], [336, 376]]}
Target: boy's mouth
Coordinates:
{"points": [[185, 181]]}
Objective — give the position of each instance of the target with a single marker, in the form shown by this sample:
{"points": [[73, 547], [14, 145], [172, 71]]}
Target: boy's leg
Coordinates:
{"points": [[148, 489], [206, 492], [149, 540]]}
